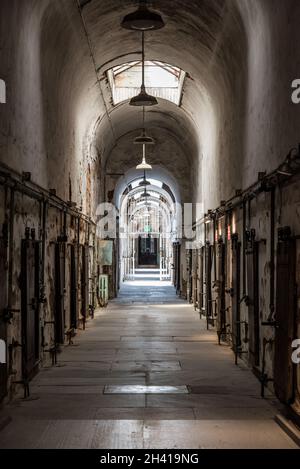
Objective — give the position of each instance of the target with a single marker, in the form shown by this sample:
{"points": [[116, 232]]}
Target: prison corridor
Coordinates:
{"points": [[146, 373]]}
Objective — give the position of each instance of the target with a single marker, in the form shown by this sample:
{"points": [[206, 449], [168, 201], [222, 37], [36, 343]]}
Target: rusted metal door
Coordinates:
{"points": [[252, 259], [59, 313], [236, 292], [30, 271], [189, 274], [177, 267], [285, 316], [220, 286], [174, 265], [92, 280], [297, 328], [208, 282], [195, 278], [85, 281], [3, 306], [74, 287], [201, 280], [175, 262]]}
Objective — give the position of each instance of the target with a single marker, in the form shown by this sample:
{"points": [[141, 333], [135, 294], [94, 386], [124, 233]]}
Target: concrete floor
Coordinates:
{"points": [[145, 337]]}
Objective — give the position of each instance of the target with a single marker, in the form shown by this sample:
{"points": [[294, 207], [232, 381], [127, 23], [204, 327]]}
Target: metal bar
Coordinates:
{"points": [[244, 247], [13, 179], [268, 182], [11, 248], [272, 256], [143, 58]]}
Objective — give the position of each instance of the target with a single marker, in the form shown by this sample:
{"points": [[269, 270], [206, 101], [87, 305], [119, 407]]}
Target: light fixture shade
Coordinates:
{"points": [[144, 165], [143, 99], [144, 183], [144, 139], [143, 19], [145, 195]]}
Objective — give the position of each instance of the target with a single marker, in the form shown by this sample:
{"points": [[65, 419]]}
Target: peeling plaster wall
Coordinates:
{"points": [[272, 120], [22, 142], [47, 129], [71, 108], [47, 123]]}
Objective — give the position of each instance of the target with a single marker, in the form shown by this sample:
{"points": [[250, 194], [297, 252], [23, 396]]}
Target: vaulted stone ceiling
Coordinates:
{"points": [[200, 37]]}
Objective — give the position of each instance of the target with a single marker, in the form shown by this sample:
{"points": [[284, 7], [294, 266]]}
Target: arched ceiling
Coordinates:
{"points": [[199, 37], [166, 120], [204, 38], [168, 152], [158, 173]]}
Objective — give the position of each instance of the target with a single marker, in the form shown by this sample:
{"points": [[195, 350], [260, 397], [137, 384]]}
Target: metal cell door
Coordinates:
{"points": [[252, 253], [178, 268], [74, 287], [30, 269], [3, 306], [174, 264], [92, 280], [297, 328], [208, 283], [85, 281], [59, 313], [221, 315], [195, 278], [189, 274], [201, 280], [236, 292], [285, 316]]}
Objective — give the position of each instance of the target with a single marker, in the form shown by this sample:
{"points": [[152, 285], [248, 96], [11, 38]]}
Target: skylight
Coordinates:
{"points": [[162, 81]]}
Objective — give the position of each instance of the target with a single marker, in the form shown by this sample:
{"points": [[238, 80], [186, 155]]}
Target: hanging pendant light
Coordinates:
{"points": [[144, 195], [144, 165], [144, 182], [144, 139], [143, 98], [143, 19]]}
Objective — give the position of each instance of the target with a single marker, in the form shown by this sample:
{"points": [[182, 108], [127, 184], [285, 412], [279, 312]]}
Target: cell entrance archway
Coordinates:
{"points": [[148, 208]]}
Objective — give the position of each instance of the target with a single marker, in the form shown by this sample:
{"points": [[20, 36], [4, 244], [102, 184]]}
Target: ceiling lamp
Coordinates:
{"points": [[144, 139], [143, 98], [144, 195], [144, 182], [143, 19], [144, 165]]}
